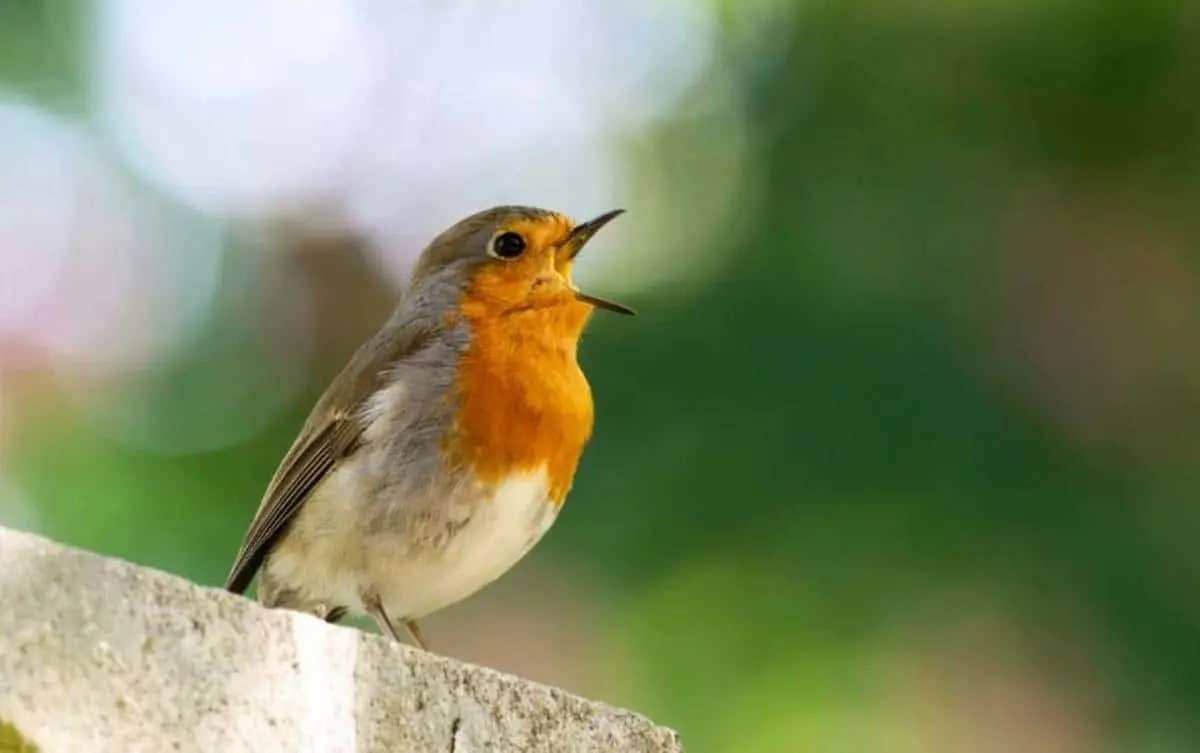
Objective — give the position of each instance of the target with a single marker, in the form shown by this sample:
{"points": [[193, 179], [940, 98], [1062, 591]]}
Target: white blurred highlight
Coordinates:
{"points": [[403, 115], [237, 108], [87, 272], [38, 208]]}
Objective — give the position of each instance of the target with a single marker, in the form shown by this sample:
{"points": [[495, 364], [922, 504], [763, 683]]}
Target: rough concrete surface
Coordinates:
{"points": [[101, 655]]}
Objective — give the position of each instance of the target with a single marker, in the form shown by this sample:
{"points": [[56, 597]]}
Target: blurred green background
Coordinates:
{"points": [[899, 455]]}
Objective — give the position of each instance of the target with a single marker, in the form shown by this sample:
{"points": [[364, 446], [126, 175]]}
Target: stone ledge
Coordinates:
{"points": [[99, 655]]}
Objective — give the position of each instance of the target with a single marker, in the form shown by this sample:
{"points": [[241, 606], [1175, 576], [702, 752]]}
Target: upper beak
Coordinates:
{"points": [[580, 235]]}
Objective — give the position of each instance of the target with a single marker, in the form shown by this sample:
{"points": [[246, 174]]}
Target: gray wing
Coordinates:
{"points": [[330, 435]]}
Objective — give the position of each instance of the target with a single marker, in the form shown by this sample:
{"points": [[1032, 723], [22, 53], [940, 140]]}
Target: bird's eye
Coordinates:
{"points": [[508, 246]]}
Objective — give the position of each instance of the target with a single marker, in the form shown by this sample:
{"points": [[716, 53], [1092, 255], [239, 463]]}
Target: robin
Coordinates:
{"points": [[444, 450]]}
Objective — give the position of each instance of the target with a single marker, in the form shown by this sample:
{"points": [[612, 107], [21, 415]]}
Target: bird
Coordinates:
{"points": [[446, 447]]}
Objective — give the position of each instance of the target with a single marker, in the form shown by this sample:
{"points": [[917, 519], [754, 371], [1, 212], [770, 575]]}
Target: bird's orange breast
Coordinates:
{"points": [[524, 402]]}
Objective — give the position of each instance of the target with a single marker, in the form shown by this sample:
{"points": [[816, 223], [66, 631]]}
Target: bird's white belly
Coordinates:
{"points": [[463, 542], [498, 533]]}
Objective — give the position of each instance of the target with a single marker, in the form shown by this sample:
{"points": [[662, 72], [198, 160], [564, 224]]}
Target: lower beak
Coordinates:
{"points": [[604, 303], [575, 243]]}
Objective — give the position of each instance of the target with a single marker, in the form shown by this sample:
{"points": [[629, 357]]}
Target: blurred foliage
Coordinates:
{"points": [[41, 51], [817, 447]]}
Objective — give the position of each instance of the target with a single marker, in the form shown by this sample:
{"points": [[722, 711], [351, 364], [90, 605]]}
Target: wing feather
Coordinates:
{"points": [[330, 435], [304, 467]]}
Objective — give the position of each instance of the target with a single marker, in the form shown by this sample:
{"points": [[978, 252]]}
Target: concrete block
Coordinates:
{"points": [[99, 655]]}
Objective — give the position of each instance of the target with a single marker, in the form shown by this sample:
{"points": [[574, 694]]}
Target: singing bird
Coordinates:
{"points": [[445, 449]]}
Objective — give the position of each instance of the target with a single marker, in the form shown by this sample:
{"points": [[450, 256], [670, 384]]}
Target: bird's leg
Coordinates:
{"points": [[374, 607], [415, 631]]}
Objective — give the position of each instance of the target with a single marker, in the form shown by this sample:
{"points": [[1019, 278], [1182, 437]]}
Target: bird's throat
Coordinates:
{"points": [[524, 402]]}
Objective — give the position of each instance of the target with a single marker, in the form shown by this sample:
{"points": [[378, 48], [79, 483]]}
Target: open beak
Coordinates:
{"points": [[579, 237]]}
